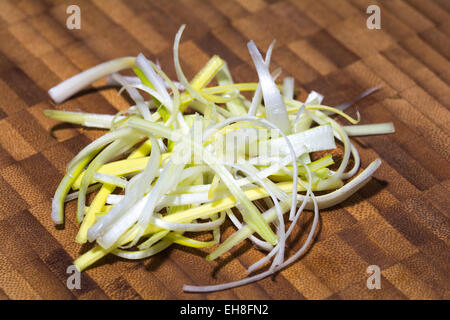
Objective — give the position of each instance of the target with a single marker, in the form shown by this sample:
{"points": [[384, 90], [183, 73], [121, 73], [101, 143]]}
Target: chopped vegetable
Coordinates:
{"points": [[160, 174]]}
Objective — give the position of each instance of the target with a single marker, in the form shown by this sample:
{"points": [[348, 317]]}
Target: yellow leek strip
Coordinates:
{"points": [[202, 78], [214, 186], [96, 206], [142, 151], [189, 242], [100, 198], [121, 167]]}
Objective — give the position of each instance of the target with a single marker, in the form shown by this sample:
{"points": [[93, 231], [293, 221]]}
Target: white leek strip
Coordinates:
{"points": [[314, 98], [109, 179], [369, 129], [195, 227], [111, 81], [276, 111], [144, 88], [362, 95], [178, 85], [181, 77], [78, 82], [257, 96], [298, 116], [267, 273], [149, 72], [356, 164], [349, 148], [153, 239], [315, 139], [175, 102], [114, 199], [288, 88], [278, 261], [131, 196], [134, 94], [170, 199], [103, 121], [321, 118]]}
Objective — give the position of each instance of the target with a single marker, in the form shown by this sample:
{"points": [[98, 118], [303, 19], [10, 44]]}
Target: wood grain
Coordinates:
{"points": [[399, 221]]}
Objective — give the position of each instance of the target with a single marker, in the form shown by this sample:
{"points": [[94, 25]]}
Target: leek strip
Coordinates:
{"points": [[369, 129], [78, 82], [275, 109], [235, 106], [134, 94], [93, 120], [189, 242], [108, 179], [288, 88], [205, 226], [64, 187], [256, 100], [90, 217]]}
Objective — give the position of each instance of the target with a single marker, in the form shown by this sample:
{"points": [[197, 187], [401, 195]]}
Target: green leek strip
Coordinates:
{"points": [[64, 188]]}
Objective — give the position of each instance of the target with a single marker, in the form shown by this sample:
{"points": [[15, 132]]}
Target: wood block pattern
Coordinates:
{"points": [[399, 221]]}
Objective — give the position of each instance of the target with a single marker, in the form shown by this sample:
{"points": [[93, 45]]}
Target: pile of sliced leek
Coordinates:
{"points": [[191, 156]]}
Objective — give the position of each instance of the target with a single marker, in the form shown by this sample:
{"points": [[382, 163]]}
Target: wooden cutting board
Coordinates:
{"points": [[399, 221]]}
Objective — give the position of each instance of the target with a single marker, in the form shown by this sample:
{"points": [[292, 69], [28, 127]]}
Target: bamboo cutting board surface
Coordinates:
{"points": [[399, 221]]}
